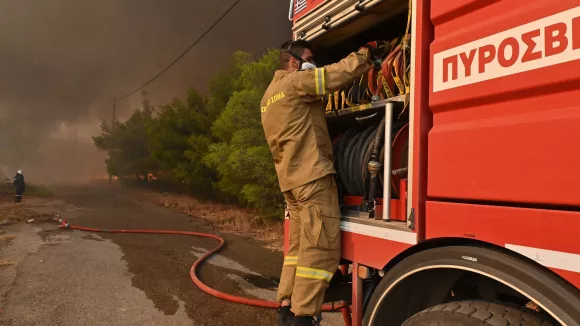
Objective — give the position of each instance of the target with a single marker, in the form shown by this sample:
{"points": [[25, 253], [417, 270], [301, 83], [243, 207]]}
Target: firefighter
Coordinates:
{"points": [[19, 185], [293, 118]]}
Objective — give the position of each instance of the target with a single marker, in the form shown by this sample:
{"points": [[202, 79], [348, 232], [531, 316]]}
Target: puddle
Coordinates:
{"points": [[247, 287], [262, 282], [57, 238], [92, 237], [221, 261], [252, 283]]}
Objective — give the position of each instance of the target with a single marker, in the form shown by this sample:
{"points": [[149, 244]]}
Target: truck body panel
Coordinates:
{"points": [[503, 96], [547, 237], [503, 125], [356, 244]]}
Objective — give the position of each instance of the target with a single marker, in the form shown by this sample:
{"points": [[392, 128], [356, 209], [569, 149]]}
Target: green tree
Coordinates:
{"points": [[223, 84], [128, 147], [241, 156], [181, 131], [202, 144]]}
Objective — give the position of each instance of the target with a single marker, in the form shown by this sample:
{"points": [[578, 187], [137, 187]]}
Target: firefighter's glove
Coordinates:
{"points": [[377, 51]]}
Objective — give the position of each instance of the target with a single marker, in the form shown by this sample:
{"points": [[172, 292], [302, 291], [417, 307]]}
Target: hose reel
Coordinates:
{"points": [[352, 154]]}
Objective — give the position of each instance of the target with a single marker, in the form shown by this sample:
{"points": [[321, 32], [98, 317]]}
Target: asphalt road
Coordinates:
{"points": [[75, 278]]}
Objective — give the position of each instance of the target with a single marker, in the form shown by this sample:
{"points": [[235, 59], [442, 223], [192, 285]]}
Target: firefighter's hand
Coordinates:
{"points": [[377, 50]]}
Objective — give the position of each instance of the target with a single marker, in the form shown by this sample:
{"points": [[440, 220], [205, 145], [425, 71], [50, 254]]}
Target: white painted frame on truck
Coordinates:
{"points": [[411, 164]]}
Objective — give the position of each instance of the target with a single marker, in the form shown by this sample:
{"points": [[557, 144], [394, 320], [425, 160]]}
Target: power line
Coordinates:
{"points": [[183, 53]]}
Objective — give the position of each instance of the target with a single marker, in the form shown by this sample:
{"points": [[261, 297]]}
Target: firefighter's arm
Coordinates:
{"points": [[331, 78]]}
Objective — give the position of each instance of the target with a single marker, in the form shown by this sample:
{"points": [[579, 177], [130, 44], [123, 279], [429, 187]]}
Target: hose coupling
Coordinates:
{"points": [[374, 167]]}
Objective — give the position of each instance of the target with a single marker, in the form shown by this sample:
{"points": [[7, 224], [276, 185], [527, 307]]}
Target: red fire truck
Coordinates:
{"points": [[472, 213]]}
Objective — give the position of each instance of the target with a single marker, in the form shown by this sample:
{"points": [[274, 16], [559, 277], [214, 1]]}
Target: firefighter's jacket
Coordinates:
{"points": [[19, 183], [293, 117]]}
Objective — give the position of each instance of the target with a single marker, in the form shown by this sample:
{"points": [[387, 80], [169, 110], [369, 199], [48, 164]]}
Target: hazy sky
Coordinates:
{"points": [[62, 60]]}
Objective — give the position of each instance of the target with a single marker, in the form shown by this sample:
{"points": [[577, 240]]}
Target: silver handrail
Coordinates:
{"points": [[387, 175], [291, 11]]}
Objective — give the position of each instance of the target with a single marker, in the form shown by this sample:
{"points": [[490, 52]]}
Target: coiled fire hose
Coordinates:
{"points": [[193, 272]]}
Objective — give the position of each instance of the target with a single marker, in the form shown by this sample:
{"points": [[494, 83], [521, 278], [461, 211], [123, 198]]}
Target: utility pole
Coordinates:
{"points": [[114, 111], [75, 156], [113, 128], [144, 100]]}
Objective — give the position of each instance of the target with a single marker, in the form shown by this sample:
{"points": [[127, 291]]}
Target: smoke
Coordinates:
{"points": [[61, 62]]}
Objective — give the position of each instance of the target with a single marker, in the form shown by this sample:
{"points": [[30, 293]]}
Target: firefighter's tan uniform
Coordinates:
{"points": [[293, 117]]}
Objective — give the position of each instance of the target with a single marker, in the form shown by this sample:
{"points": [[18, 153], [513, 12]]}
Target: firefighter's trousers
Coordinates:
{"points": [[314, 252], [18, 195]]}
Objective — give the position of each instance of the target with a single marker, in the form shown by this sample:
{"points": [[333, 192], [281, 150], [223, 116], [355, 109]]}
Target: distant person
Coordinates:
{"points": [[20, 186]]}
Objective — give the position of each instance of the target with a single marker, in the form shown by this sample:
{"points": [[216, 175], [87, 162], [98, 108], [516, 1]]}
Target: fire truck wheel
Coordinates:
{"points": [[472, 313], [457, 273]]}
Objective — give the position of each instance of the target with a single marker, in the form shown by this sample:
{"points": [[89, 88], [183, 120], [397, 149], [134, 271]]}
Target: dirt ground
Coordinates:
{"points": [[56, 277]]}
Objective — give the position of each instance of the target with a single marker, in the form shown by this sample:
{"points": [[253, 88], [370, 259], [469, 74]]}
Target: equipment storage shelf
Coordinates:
{"points": [[366, 108]]}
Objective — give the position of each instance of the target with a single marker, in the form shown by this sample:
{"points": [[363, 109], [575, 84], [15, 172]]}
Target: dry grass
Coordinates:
{"points": [[5, 263], [11, 213], [6, 238], [228, 218]]}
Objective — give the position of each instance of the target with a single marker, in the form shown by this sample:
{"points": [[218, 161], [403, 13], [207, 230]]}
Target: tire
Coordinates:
{"points": [[424, 280], [476, 313]]}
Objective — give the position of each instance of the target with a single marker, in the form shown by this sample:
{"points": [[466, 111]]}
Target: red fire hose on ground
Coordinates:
{"points": [[345, 309]]}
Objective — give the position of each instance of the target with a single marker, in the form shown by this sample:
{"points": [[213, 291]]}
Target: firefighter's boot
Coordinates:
{"points": [[285, 316], [305, 321]]}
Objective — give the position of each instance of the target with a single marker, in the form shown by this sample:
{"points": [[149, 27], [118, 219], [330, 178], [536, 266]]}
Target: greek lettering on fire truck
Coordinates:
{"points": [[455, 159], [539, 44]]}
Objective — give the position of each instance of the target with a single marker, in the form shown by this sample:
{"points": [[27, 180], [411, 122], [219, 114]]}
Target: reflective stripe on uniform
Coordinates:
{"points": [[313, 273], [320, 79], [290, 260]]}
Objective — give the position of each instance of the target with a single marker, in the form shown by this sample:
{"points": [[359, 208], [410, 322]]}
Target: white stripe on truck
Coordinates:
{"points": [[549, 258], [407, 237]]}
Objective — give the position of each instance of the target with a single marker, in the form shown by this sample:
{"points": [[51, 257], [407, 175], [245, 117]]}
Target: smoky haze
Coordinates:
{"points": [[61, 61]]}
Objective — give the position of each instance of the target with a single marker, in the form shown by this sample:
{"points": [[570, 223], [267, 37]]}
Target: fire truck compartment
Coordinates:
{"points": [[357, 116]]}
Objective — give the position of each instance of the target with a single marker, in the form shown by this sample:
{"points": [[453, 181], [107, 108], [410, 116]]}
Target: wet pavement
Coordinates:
{"points": [[76, 278]]}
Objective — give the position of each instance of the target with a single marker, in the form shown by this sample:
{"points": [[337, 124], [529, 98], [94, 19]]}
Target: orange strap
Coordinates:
{"points": [[373, 81], [396, 69], [388, 81]]}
